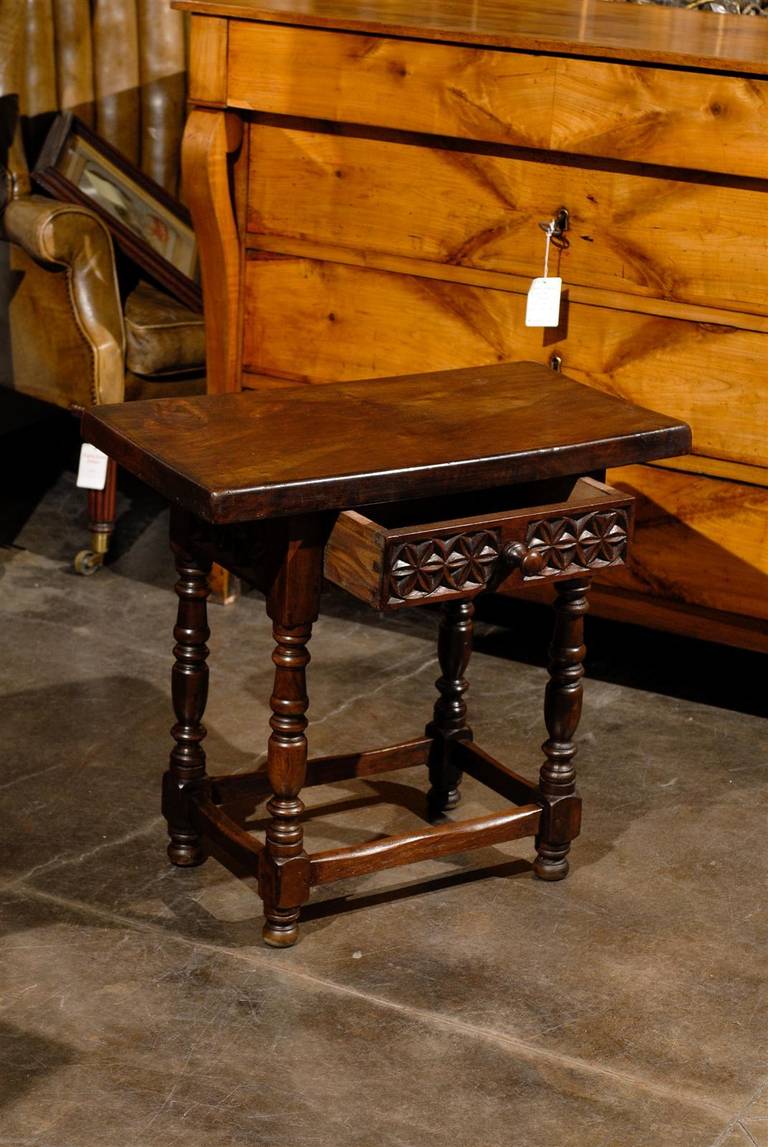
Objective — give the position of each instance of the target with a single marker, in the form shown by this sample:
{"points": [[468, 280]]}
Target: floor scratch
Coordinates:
{"points": [[530, 1052]]}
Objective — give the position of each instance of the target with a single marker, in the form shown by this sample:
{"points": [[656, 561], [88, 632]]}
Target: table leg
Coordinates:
{"points": [[293, 605], [449, 723], [101, 523], [189, 685], [562, 710]]}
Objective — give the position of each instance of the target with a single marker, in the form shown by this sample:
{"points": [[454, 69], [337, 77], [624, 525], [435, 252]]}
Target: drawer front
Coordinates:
{"points": [[390, 568], [358, 323], [635, 234], [588, 107], [699, 541]]}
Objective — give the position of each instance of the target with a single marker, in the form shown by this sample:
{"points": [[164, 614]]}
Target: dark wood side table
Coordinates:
{"points": [[406, 491]]}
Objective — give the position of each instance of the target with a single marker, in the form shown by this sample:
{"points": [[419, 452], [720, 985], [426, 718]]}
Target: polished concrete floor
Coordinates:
{"points": [[456, 1002]]}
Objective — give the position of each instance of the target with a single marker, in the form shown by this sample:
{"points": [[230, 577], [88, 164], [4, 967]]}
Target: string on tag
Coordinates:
{"points": [[542, 308], [549, 230]]}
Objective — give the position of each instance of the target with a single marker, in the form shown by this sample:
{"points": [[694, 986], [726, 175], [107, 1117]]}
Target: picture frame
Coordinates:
{"points": [[152, 228]]}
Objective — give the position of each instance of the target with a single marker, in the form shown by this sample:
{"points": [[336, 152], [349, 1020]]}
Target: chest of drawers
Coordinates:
{"points": [[367, 186]]}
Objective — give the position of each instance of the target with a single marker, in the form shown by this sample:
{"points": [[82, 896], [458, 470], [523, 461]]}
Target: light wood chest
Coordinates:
{"points": [[367, 186]]}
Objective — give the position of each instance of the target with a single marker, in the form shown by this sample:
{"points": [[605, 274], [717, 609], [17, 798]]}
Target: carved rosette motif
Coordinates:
{"points": [[567, 545], [438, 566]]}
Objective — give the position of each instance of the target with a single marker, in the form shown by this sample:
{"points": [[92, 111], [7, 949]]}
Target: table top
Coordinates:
{"points": [[601, 28], [239, 457]]}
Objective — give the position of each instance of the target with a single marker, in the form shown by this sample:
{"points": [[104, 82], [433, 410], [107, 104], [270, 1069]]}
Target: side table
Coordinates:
{"points": [[407, 491]]}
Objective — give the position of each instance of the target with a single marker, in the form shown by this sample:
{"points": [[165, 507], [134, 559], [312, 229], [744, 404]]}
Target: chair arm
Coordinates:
{"points": [[65, 235]]}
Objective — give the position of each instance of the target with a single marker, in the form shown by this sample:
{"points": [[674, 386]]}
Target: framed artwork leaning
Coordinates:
{"points": [[150, 226]]}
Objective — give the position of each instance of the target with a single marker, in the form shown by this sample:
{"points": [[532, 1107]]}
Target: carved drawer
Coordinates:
{"points": [[394, 561]]}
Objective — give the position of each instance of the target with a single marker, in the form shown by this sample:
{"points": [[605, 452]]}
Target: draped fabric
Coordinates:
{"points": [[118, 64]]}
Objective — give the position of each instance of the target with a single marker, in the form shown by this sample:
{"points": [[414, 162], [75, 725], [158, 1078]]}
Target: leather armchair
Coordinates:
{"points": [[78, 335]]}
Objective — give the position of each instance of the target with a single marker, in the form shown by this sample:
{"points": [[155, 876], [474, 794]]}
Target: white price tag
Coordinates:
{"points": [[92, 471], [543, 309]]}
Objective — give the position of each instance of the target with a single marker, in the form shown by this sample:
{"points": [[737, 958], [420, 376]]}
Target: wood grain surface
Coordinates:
{"points": [[581, 27], [698, 540], [238, 457], [716, 468], [442, 840], [654, 612], [630, 233], [502, 281], [359, 323], [208, 59], [353, 554], [588, 107], [208, 142]]}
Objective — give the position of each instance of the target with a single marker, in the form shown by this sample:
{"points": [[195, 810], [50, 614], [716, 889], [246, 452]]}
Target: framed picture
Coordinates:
{"points": [[152, 228]]}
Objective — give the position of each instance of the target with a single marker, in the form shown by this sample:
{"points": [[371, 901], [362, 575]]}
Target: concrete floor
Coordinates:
{"points": [[457, 1002]]}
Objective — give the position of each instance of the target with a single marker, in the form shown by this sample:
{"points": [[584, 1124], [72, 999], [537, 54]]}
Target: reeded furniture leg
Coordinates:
{"points": [[454, 648], [292, 603], [101, 523], [562, 710], [189, 684]]}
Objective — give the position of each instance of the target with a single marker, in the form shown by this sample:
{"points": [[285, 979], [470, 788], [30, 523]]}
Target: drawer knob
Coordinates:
{"points": [[518, 556]]}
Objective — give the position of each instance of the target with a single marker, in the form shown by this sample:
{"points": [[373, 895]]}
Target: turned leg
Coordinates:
{"points": [[292, 603], [101, 523], [189, 684], [286, 766], [454, 647], [562, 710]]}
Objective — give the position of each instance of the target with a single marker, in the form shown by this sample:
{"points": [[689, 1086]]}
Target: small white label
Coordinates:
{"points": [[543, 309], [92, 471]]}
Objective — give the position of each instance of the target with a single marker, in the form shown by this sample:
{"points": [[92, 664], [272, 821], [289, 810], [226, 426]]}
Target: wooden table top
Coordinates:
{"points": [[600, 28], [239, 457]]}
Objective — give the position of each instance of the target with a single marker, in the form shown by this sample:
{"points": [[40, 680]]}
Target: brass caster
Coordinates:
{"points": [[87, 562]]}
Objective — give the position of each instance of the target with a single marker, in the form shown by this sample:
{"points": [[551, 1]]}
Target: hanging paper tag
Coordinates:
{"points": [[543, 309], [92, 471]]}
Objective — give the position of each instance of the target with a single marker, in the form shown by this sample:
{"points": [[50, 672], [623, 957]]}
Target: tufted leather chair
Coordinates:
{"points": [[82, 329]]}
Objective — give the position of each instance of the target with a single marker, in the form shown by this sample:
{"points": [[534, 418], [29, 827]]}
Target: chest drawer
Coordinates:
{"points": [[359, 323], [588, 107], [699, 540], [689, 241], [394, 560]]}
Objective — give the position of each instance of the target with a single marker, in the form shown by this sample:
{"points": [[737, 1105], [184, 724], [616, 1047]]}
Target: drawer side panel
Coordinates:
{"points": [[352, 557]]}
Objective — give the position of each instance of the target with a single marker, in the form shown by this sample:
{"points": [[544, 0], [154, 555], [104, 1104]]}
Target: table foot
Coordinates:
{"points": [[281, 929], [441, 801], [186, 851], [551, 862], [453, 800]]}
